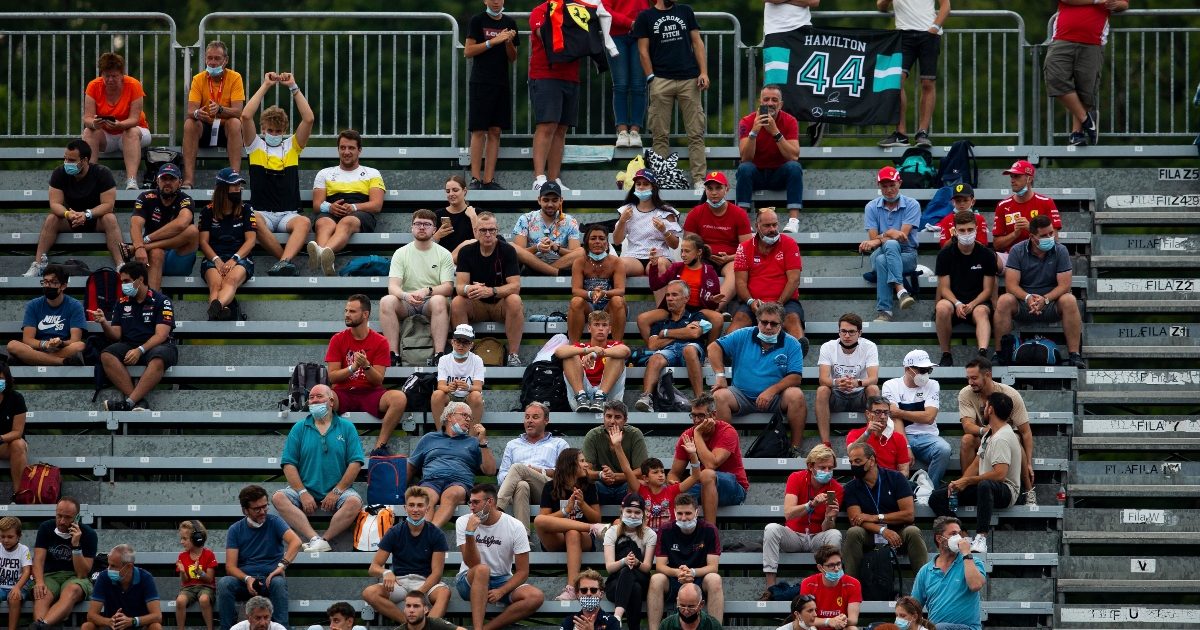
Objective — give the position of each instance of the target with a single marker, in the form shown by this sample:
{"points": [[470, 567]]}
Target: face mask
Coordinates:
{"points": [[921, 380], [770, 240], [588, 603], [63, 535], [493, 13], [483, 515], [848, 346], [689, 617], [823, 476], [115, 576], [215, 71], [643, 194], [858, 471], [416, 523], [50, 292], [1046, 244], [966, 239], [901, 623], [459, 355], [71, 168], [128, 289], [833, 576], [4, 386], [705, 326], [319, 410], [715, 204], [253, 525], [235, 198], [598, 257], [272, 141], [952, 542], [631, 522], [686, 527], [458, 429], [765, 338], [892, 199], [1021, 193]]}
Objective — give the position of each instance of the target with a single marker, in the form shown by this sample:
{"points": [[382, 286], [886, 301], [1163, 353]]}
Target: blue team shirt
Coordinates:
{"points": [[945, 593], [50, 322], [132, 602], [413, 555], [260, 549], [138, 320], [754, 370], [322, 460], [439, 456], [880, 219]]}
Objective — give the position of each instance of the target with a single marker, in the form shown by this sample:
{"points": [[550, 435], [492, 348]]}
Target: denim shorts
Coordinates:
{"points": [[463, 586], [294, 497], [674, 353], [729, 491]]}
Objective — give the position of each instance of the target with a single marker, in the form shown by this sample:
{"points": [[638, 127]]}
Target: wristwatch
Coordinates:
{"points": [[880, 517]]}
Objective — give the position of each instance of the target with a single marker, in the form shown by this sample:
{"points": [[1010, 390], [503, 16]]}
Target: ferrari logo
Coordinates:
{"points": [[579, 14]]}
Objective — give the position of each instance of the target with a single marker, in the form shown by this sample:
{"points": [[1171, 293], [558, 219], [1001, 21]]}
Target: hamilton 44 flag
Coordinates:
{"points": [[836, 75]]}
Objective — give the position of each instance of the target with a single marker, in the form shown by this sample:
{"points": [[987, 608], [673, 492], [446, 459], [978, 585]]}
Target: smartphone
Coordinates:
{"points": [[445, 221], [763, 110], [111, 119], [830, 497]]}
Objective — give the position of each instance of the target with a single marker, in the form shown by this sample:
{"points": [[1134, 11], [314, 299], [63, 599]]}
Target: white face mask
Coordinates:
{"points": [[966, 239], [921, 380], [62, 535], [253, 525], [952, 542]]}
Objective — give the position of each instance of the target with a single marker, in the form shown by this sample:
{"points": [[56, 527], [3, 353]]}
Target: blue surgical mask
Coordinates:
{"points": [[715, 204], [114, 575], [416, 523], [770, 240], [1046, 244], [215, 71], [71, 168], [892, 199], [319, 410], [705, 326], [765, 338], [128, 289], [823, 476], [833, 576], [458, 429], [598, 257], [643, 194], [1021, 193], [901, 623], [459, 355], [631, 522], [272, 140], [3, 386], [493, 13], [686, 527]]}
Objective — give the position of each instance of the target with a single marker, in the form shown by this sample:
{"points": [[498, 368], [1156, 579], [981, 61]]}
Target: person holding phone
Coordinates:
{"points": [[456, 221], [258, 551], [769, 150], [62, 563], [810, 505], [113, 119]]}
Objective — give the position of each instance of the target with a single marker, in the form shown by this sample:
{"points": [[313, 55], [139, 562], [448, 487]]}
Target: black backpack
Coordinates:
{"points": [[916, 168], [959, 165], [155, 158], [773, 441], [418, 387], [879, 574], [543, 381], [305, 376], [1036, 351], [100, 292], [666, 397]]}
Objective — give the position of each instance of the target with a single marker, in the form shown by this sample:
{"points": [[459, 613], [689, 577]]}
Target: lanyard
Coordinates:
{"points": [[216, 99], [878, 492]]}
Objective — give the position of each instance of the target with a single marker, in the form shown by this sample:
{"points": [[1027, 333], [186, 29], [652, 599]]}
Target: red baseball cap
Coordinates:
{"points": [[888, 174], [717, 176], [1020, 167]]}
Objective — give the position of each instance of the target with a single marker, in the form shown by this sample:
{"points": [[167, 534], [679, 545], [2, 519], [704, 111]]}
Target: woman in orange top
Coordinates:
{"points": [[112, 115]]}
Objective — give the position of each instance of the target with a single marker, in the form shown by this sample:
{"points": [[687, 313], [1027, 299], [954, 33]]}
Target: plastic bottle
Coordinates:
{"points": [[953, 502]]}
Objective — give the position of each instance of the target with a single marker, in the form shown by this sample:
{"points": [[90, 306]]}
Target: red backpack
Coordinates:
{"points": [[40, 483]]}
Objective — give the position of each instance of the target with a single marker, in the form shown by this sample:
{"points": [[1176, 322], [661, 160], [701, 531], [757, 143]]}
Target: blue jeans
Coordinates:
{"points": [[611, 495], [934, 451], [789, 177], [230, 590], [890, 266], [729, 491], [629, 83]]}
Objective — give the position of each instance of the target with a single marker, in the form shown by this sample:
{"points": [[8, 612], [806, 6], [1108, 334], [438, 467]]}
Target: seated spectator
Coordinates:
{"points": [[528, 463], [587, 584], [722, 226], [966, 272], [16, 582], [161, 231], [675, 335], [460, 376], [495, 572], [963, 198], [774, 259], [597, 285], [487, 285], [910, 610], [949, 585], [113, 116], [346, 199], [418, 551], [547, 240], [125, 595], [63, 553], [628, 558], [595, 368], [767, 370], [446, 461], [228, 234], [275, 171], [971, 402], [320, 476], [197, 569], [711, 448], [341, 617], [896, 512], [258, 551], [914, 400], [260, 613], [769, 153], [1037, 283], [491, 45], [140, 333], [849, 373], [570, 512], [690, 614], [704, 284], [1011, 223], [647, 225], [838, 596], [53, 325], [601, 452], [810, 525], [213, 117], [357, 361], [417, 615], [458, 220], [688, 553], [891, 242], [82, 197], [883, 436], [804, 613], [420, 282], [12, 425], [654, 488]]}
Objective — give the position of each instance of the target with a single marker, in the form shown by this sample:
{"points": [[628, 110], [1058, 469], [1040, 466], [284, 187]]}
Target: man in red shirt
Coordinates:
{"points": [[810, 516], [891, 447], [554, 94], [769, 147], [1013, 214], [963, 197], [1074, 59], [775, 261], [590, 377], [357, 359], [722, 225], [722, 475], [839, 596]]}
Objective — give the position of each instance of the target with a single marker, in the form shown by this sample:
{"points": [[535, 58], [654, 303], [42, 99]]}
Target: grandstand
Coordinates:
{"points": [[1115, 443]]}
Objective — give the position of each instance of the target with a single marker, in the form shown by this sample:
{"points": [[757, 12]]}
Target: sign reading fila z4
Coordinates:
{"points": [[836, 75]]}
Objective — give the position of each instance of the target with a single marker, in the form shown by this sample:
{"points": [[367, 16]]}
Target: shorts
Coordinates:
{"points": [[1049, 313], [245, 263], [206, 136], [955, 319], [405, 310], [674, 353], [489, 106], [276, 221], [294, 497], [554, 101], [88, 225], [178, 265], [25, 592], [56, 580], [729, 491], [481, 311], [441, 485], [1073, 67], [921, 46], [841, 402], [463, 586], [366, 220], [673, 585], [410, 582], [791, 307], [112, 142], [746, 404], [193, 593], [364, 400], [617, 393], [168, 352]]}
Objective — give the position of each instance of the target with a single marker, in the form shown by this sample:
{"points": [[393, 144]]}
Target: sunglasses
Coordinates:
{"points": [[588, 590]]}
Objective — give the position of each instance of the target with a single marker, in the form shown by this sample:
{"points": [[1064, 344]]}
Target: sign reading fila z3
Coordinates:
{"points": [[836, 75]]}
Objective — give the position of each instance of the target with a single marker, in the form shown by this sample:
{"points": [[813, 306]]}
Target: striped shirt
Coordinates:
{"points": [[520, 450], [275, 175]]}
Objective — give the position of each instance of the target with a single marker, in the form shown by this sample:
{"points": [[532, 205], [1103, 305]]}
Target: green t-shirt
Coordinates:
{"points": [[420, 269], [597, 452]]}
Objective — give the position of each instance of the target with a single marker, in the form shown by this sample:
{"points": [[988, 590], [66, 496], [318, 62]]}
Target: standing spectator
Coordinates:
{"points": [[275, 171], [140, 333], [647, 226], [675, 335], [949, 585], [890, 220], [260, 614], [554, 100], [16, 580], [971, 401], [838, 596], [915, 398], [460, 376], [456, 221], [197, 569], [418, 552], [688, 553], [547, 241], [357, 360], [213, 117], [675, 63], [587, 584], [966, 272], [769, 154], [228, 234], [723, 226], [628, 558], [125, 595], [1074, 60], [63, 553], [690, 614], [417, 615], [767, 269], [804, 610], [597, 285], [346, 199], [704, 285], [446, 461], [420, 282], [629, 81], [113, 116], [594, 369], [82, 197], [258, 551], [492, 42], [717, 456], [879, 502], [604, 451], [882, 435], [487, 285], [849, 373], [808, 525], [570, 514], [962, 196], [161, 229], [53, 325], [921, 32], [1014, 213], [528, 463]]}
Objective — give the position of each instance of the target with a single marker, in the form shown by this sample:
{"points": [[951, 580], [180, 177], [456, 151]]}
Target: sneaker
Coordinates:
{"points": [[493, 185], [698, 187], [635, 139], [922, 139], [582, 402], [514, 360], [381, 451], [983, 352], [283, 268], [37, 268], [316, 544], [1076, 360], [883, 316], [622, 139], [997, 358], [1031, 497], [396, 362], [558, 180], [141, 405], [804, 346], [475, 184], [131, 184], [816, 132], [567, 594], [795, 452], [644, 403], [1078, 139], [214, 310], [327, 257], [75, 360], [897, 139], [432, 361], [793, 225], [947, 360], [39, 625], [1091, 126], [117, 404], [598, 401], [314, 255], [979, 544], [906, 301], [538, 181]]}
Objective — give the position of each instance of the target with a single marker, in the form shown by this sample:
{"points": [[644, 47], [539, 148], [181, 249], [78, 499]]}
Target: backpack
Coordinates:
{"points": [[416, 340], [373, 522], [959, 166], [40, 484], [418, 387], [773, 441], [100, 292], [916, 168], [99, 565], [543, 381], [1036, 351], [366, 266], [666, 398], [305, 376], [490, 350], [387, 476], [879, 574], [155, 158], [783, 592], [938, 208]]}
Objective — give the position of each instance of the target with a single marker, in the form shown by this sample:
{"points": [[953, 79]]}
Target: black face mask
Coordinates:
{"points": [[689, 618], [235, 198], [858, 471], [849, 346], [51, 292]]}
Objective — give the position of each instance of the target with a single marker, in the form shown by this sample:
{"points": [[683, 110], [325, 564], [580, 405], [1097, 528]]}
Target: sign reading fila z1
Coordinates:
{"points": [[836, 75]]}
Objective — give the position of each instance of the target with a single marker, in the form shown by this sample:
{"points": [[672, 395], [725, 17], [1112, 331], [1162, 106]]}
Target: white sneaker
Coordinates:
{"points": [[316, 544], [538, 181], [1031, 497], [698, 187], [635, 139], [979, 544], [131, 184], [558, 180], [793, 225], [314, 255], [37, 268], [622, 138]]}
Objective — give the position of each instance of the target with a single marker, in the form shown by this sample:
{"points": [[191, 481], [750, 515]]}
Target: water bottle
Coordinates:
{"points": [[953, 502]]}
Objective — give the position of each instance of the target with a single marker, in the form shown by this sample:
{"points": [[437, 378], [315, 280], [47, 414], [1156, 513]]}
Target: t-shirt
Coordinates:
{"points": [[341, 349], [690, 550], [880, 218], [693, 279], [460, 222], [720, 233], [767, 273], [12, 404], [1086, 24], [755, 369], [83, 193], [322, 460], [648, 539], [259, 548], [853, 365], [131, 90], [275, 174], [766, 153], [226, 236], [12, 563], [533, 226], [49, 321], [440, 456], [890, 452], [138, 320], [151, 208], [58, 549], [723, 436], [914, 15], [1039, 276], [1002, 448], [133, 602], [353, 186], [945, 593], [498, 543], [884, 498], [595, 373], [946, 227], [966, 271], [897, 392], [225, 92], [598, 451], [491, 66], [670, 35], [492, 270], [553, 503], [970, 405], [1008, 210], [419, 269], [799, 485], [539, 65], [784, 17], [832, 600], [413, 555], [193, 568], [640, 233], [660, 507], [470, 369]]}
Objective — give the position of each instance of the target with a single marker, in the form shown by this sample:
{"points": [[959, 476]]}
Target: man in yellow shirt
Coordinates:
{"points": [[214, 110]]}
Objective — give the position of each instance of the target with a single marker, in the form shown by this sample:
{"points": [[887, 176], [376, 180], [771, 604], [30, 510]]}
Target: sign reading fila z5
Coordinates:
{"points": [[836, 75]]}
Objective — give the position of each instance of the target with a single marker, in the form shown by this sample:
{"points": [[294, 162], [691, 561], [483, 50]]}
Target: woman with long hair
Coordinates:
{"points": [[597, 284], [628, 557], [457, 220], [701, 278], [570, 514], [647, 226], [227, 236]]}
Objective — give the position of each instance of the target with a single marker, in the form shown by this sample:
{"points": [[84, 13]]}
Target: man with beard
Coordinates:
{"points": [[161, 231], [346, 199], [420, 282], [849, 373], [600, 452], [971, 401], [258, 550], [487, 285], [767, 269], [416, 615], [547, 240]]}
